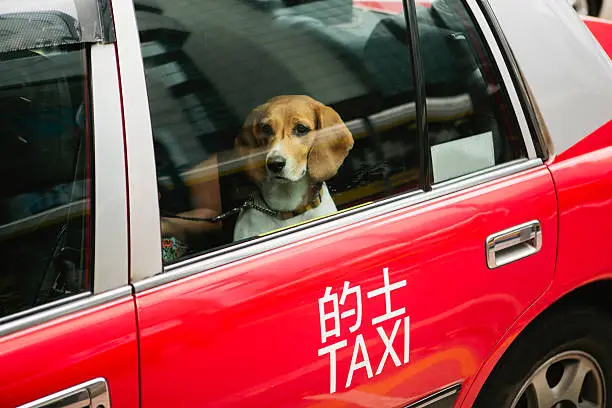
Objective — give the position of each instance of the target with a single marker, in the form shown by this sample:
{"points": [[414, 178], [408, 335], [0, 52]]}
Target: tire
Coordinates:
{"points": [[551, 354]]}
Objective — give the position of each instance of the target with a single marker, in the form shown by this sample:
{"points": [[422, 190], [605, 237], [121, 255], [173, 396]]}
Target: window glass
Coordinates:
{"points": [[471, 122], [45, 199], [284, 111]]}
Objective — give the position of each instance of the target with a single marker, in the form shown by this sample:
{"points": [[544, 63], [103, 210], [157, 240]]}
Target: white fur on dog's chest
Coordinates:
{"points": [[252, 222]]}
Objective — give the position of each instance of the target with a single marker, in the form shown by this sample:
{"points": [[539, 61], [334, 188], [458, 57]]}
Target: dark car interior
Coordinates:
{"points": [[44, 157]]}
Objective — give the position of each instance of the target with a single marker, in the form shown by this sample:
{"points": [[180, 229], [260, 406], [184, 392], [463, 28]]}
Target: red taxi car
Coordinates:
{"points": [[305, 203]]}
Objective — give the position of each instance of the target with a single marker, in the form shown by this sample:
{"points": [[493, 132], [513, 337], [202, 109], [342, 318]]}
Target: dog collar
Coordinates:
{"points": [[251, 202], [285, 215]]}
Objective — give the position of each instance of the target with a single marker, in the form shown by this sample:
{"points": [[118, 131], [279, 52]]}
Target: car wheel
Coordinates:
{"points": [[563, 361], [585, 7]]}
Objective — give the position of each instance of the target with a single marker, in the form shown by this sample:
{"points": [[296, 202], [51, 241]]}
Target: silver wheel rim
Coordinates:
{"points": [[571, 379], [581, 6]]}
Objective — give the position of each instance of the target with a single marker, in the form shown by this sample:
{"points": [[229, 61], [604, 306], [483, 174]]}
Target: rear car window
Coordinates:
{"points": [[210, 66], [45, 157], [264, 112], [471, 122]]}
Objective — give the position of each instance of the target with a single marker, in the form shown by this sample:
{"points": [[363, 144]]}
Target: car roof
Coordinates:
{"points": [[565, 69]]}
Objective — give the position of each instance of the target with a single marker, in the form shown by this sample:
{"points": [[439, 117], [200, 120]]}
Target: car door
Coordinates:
{"points": [[446, 224], [67, 315]]}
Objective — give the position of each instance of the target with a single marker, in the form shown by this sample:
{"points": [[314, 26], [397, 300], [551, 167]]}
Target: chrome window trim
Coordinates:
{"points": [[43, 307], [143, 207], [110, 210], [232, 253], [444, 398], [71, 306], [498, 57], [543, 149]]}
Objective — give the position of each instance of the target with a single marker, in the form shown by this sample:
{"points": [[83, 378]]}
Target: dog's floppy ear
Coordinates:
{"points": [[249, 145], [333, 141], [247, 137]]}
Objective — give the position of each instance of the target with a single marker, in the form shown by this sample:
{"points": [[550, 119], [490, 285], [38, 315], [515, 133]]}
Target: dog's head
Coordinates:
{"points": [[291, 137]]}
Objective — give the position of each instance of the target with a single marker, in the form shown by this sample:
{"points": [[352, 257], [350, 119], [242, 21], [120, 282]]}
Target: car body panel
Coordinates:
{"points": [[249, 332], [143, 207], [54, 346], [567, 45], [583, 181], [255, 324], [602, 30], [70, 350], [111, 269]]}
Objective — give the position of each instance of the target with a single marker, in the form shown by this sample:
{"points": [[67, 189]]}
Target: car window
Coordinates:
{"points": [[45, 200], [273, 114], [471, 123]]}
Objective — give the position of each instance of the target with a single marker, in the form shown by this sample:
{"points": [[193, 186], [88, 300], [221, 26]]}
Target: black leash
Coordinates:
{"points": [[249, 203]]}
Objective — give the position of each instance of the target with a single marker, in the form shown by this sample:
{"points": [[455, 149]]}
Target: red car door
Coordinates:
{"points": [[262, 331], [397, 298], [67, 315]]}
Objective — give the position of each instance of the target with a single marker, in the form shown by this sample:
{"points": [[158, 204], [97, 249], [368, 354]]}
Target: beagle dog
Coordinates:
{"points": [[292, 144]]}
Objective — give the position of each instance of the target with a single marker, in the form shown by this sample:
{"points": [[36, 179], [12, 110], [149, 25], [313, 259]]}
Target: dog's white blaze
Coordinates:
{"points": [[292, 171], [252, 222], [283, 195], [275, 150]]}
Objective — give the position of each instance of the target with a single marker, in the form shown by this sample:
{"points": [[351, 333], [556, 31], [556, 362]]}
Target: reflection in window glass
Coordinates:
{"points": [[287, 110], [470, 119], [46, 194]]}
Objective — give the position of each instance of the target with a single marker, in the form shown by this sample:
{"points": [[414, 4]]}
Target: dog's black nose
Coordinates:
{"points": [[276, 164]]}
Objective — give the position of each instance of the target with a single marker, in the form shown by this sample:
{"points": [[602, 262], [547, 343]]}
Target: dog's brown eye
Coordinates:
{"points": [[267, 130], [301, 130]]}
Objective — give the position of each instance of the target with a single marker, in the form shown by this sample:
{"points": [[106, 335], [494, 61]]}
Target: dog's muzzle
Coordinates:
{"points": [[276, 164]]}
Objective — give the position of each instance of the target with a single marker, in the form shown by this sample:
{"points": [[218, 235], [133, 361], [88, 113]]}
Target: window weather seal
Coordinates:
{"points": [[410, 15], [533, 122], [444, 398], [61, 308]]}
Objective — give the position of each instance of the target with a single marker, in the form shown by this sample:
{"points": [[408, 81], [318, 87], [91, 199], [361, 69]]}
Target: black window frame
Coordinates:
{"points": [[89, 23], [410, 14], [520, 85]]}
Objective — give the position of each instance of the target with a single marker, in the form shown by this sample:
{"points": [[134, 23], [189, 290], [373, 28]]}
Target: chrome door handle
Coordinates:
{"points": [[513, 244], [92, 394]]}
